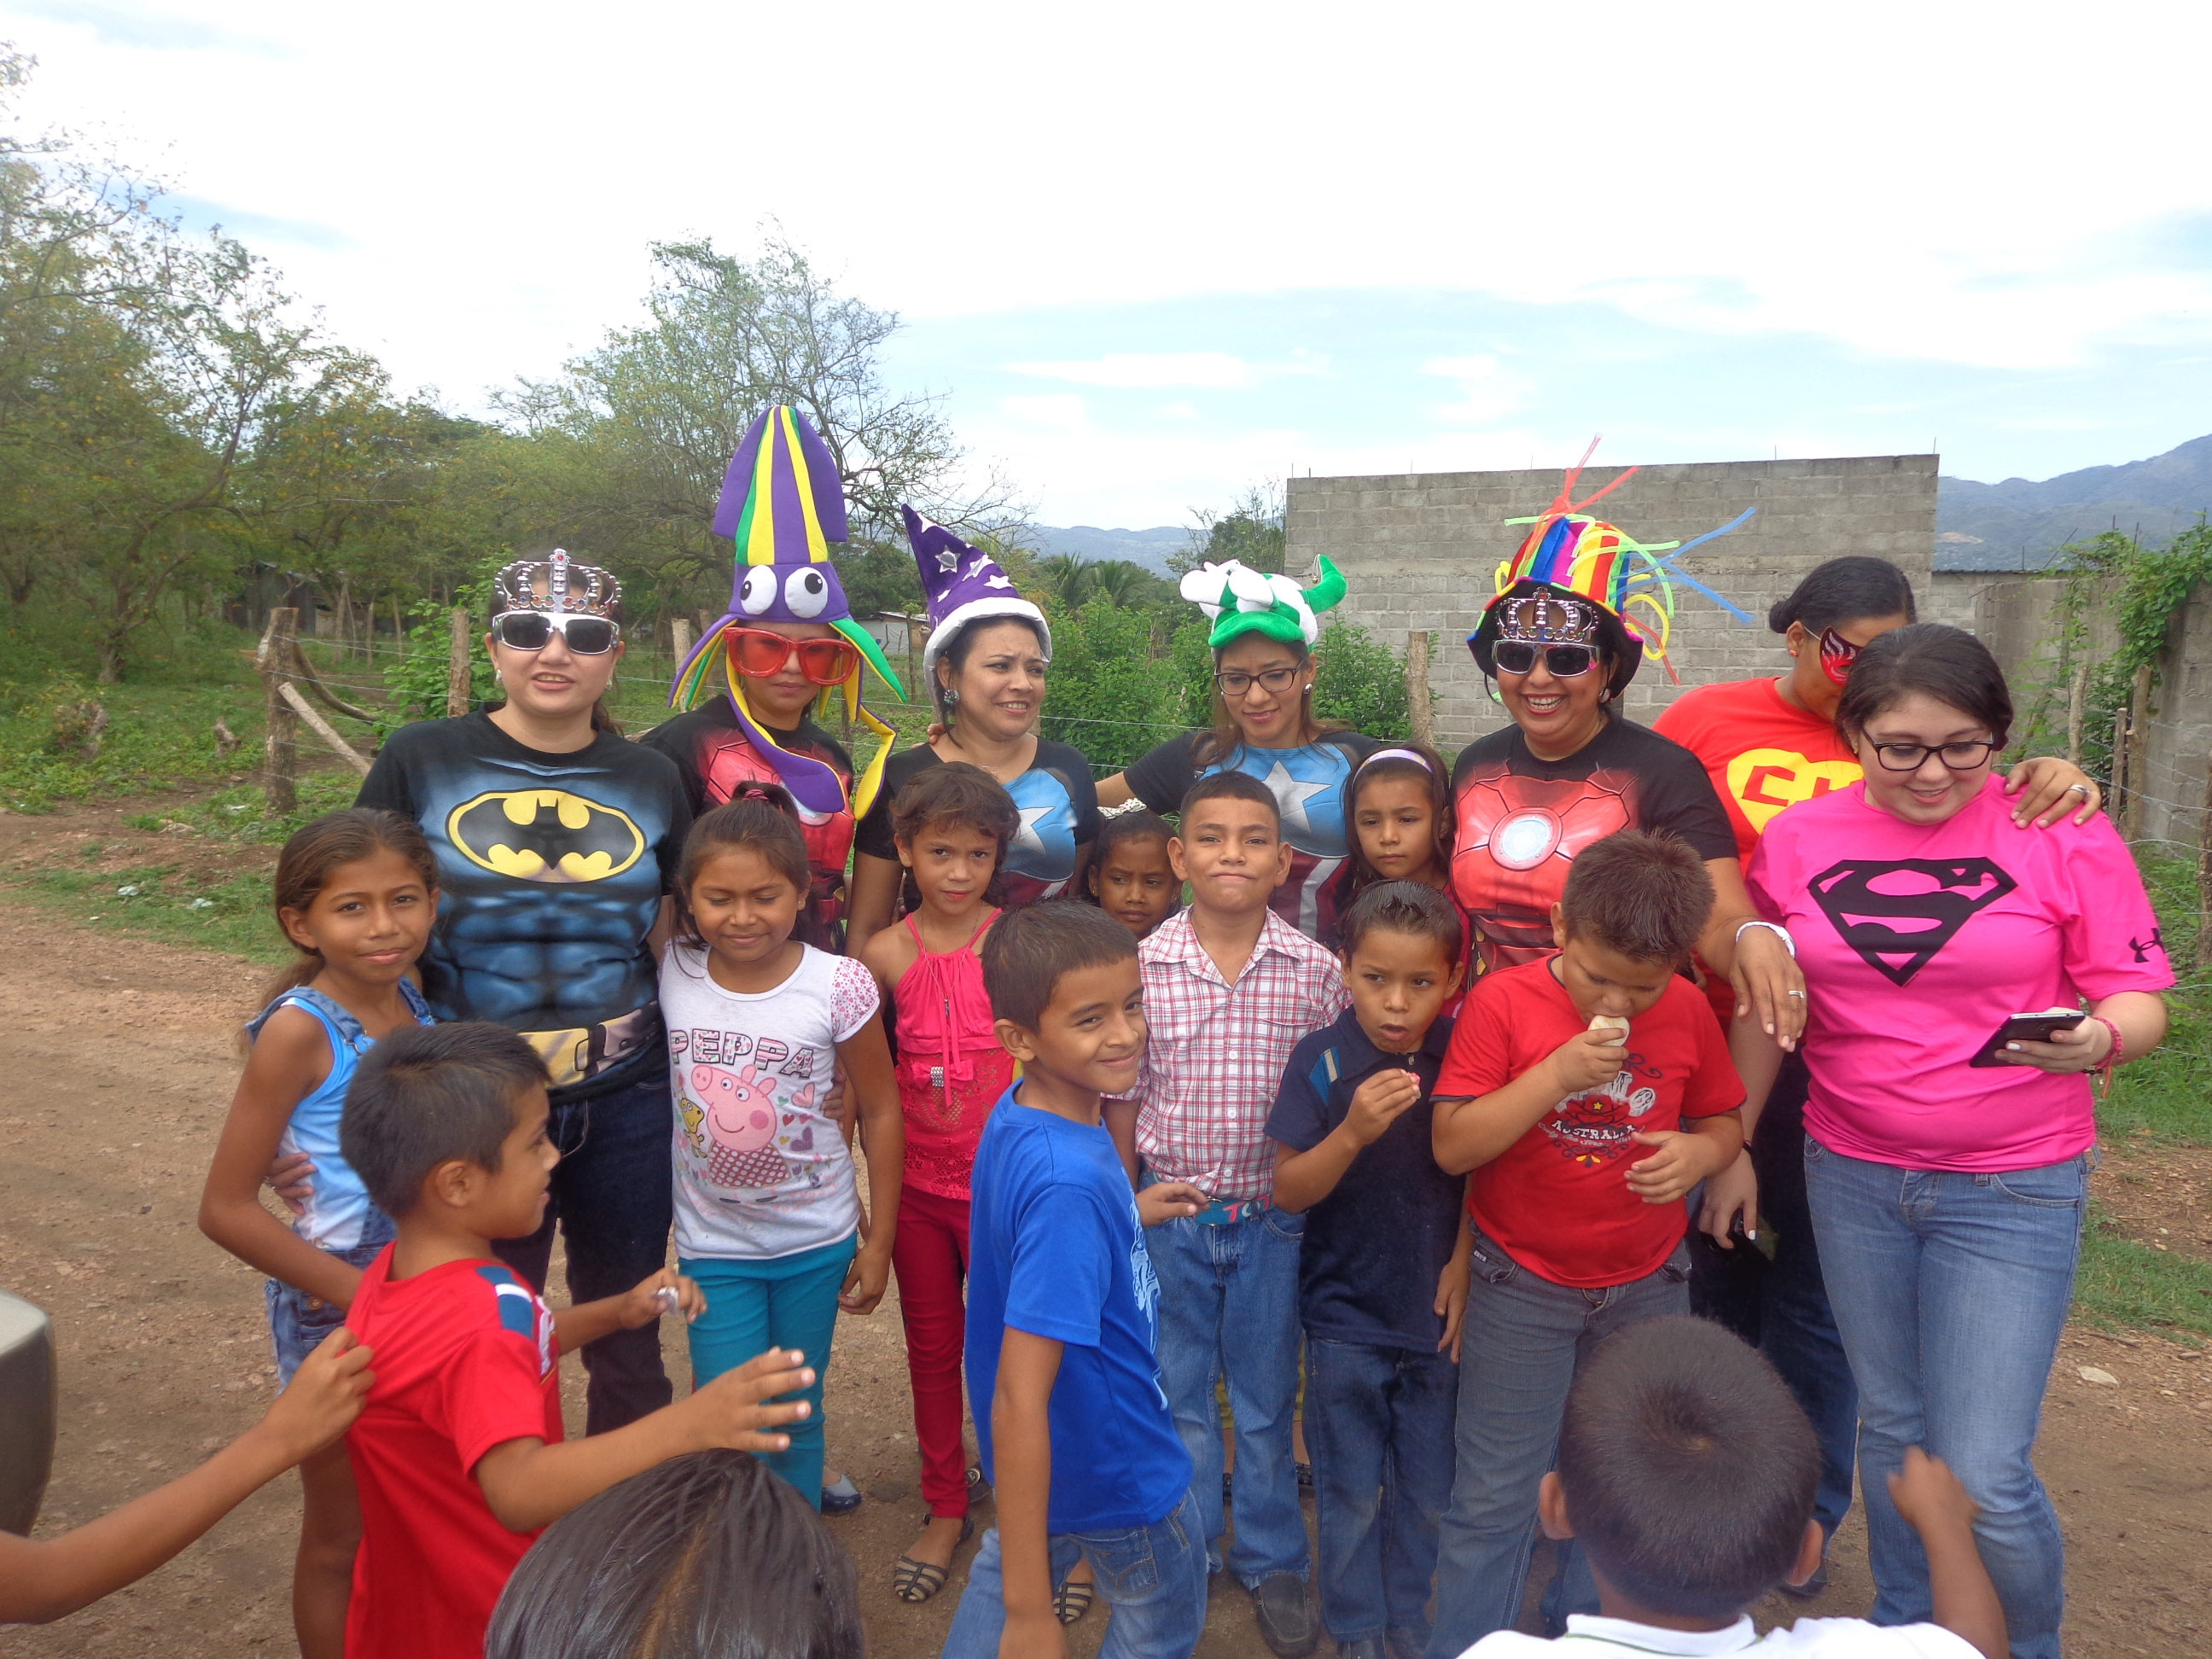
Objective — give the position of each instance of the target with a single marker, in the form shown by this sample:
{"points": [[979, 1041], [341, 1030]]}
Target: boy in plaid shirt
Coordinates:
{"points": [[1230, 990]]}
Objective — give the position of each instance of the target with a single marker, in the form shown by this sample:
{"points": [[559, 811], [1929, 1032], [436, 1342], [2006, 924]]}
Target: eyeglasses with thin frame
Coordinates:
{"points": [[533, 630], [1912, 756], [1236, 684], [1565, 662], [759, 654]]}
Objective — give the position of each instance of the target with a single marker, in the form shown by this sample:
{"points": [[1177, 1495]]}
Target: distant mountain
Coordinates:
{"points": [[2019, 525], [1149, 548]]}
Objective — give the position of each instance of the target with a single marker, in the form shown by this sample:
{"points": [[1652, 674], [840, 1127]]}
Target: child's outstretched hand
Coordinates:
{"points": [[1928, 1495], [322, 1399], [730, 1411], [1681, 1162], [1169, 1200], [1588, 1060], [865, 1279], [1381, 1101], [666, 1293]]}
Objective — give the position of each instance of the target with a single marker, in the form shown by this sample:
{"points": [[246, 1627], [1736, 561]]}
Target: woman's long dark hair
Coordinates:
{"points": [[706, 1555], [1846, 590]]}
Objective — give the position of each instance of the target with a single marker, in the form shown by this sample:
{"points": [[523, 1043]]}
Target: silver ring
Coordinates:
{"points": [[2077, 788], [1800, 995]]}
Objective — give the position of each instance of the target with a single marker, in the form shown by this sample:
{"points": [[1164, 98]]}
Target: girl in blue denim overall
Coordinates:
{"points": [[354, 894]]}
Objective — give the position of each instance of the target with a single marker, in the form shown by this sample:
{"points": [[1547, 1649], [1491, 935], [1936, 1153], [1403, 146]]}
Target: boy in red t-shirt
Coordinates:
{"points": [[1587, 1092], [459, 1454]]}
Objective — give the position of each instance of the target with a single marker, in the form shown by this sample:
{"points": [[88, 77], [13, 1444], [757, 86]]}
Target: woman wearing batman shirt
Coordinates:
{"points": [[557, 842]]}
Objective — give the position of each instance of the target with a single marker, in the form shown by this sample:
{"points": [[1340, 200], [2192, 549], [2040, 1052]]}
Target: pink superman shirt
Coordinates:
{"points": [[1918, 940]]}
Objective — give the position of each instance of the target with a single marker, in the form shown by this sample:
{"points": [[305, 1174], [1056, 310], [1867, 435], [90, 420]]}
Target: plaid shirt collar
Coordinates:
{"points": [[1176, 941]]}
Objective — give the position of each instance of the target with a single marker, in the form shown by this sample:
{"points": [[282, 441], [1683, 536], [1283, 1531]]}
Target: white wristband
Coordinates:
{"points": [[1775, 928]]}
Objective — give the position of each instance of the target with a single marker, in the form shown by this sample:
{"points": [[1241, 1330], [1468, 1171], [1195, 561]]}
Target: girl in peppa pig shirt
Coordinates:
{"points": [[768, 1209]]}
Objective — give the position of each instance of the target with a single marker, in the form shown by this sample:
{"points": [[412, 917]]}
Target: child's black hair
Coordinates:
{"points": [[758, 817], [1231, 786], [1854, 589], [1136, 824], [1420, 764], [1947, 665], [1027, 951], [1689, 1470], [1641, 892], [1404, 907], [429, 1094], [706, 1555]]}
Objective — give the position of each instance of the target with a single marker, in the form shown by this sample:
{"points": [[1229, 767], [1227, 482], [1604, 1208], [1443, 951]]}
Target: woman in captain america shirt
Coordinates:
{"points": [[1264, 724]]}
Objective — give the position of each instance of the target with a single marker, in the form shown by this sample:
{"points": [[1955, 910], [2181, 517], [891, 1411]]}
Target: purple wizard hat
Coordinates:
{"points": [[963, 584], [783, 503]]}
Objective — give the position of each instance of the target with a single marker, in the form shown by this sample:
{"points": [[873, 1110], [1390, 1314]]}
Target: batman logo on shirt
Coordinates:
{"points": [[545, 835], [1899, 927]]}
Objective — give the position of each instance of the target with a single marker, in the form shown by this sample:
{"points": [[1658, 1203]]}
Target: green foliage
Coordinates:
{"points": [[1360, 683], [417, 683], [227, 913], [1251, 533], [1106, 694]]}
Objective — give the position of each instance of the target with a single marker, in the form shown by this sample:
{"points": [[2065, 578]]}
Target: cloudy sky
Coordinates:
{"points": [[1154, 253]]}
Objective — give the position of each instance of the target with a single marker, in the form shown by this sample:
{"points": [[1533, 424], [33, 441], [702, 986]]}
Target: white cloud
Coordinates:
{"points": [[1217, 370], [1065, 412], [1488, 388]]}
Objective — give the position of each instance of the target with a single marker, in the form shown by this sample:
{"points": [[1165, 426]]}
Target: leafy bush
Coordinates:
{"points": [[1106, 693], [1361, 683]]}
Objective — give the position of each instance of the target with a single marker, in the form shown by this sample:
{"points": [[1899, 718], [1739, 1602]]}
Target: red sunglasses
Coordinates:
{"points": [[758, 655]]}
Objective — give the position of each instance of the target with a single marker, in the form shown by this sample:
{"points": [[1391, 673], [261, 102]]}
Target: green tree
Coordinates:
{"points": [[1251, 532], [1361, 682], [1107, 695]]}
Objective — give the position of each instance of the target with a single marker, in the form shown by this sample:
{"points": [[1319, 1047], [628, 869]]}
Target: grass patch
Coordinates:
{"points": [[2121, 1284], [2165, 1097], [240, 815], [229, 913]]}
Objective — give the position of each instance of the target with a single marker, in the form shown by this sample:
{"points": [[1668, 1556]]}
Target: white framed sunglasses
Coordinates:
{"points": [[533, 630]]}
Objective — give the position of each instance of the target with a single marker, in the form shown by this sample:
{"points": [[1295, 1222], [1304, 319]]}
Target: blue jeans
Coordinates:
{"points": [[1526, 1338], [1377, 1422], [754, 1304], [298, 1322], [611, 1199], [1781, 1307], [1951, 1289], [1153, 1578], [1229, 1301]]}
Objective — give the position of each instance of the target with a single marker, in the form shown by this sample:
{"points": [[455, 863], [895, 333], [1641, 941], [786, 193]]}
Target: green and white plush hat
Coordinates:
{"points": [[1241, 600]]}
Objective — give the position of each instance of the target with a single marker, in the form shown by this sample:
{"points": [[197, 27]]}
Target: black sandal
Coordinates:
{"points": [[916, 1582], [1072, 1600]]}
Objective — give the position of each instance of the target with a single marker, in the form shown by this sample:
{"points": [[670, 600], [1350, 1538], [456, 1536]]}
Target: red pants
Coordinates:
{"points": [[930, 1255]]}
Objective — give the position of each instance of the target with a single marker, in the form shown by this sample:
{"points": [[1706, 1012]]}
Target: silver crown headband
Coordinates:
{"points": [[550, 585], [1546, 619]]}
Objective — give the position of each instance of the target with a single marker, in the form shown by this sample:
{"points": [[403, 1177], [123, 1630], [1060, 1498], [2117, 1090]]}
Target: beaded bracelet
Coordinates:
{"points": [[2114, 1054]]}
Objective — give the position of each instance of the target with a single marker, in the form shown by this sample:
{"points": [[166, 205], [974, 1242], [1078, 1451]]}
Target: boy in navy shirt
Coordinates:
{"points": [[1071, 1419], [1384, 1275]]}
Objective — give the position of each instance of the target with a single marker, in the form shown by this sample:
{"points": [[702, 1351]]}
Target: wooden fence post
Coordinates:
{"points": [[1419, 712], [679, 634], [2205, 875], [2077, 696], [281, 748], [2138, 752], [456, 673]]}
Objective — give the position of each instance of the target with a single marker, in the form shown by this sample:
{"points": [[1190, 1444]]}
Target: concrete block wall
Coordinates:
{"points": [[1421, 550]]}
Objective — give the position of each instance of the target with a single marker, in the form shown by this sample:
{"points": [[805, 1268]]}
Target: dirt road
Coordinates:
{"points": [[115, 1067]]}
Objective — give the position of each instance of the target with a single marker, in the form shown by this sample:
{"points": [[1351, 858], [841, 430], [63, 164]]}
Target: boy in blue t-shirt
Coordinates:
{"points": [[1070, 1416], [1382, 1277]]}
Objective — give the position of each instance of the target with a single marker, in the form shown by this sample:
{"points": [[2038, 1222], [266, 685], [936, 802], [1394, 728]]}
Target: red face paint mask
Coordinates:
{"points": [[1837, 656]]}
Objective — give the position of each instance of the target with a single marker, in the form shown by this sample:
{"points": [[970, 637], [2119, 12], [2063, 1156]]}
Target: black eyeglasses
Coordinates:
{"points": [[1565, 662], [533, 630], [1912, 756], [1234, 684]]}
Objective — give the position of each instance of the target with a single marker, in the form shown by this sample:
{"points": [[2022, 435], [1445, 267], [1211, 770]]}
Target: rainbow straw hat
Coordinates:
{"points": [[1570, 555]]}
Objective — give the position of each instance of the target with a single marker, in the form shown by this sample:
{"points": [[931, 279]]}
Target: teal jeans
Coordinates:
{"points": [[754, 1304]]}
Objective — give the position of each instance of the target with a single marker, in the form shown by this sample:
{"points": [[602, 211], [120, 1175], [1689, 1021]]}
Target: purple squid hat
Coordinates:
{"points": [[964, 585]]}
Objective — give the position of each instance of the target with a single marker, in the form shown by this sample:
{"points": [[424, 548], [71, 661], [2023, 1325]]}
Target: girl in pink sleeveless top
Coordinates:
{"points": [[953, 824]]}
